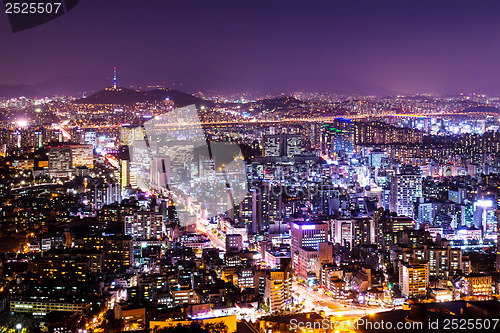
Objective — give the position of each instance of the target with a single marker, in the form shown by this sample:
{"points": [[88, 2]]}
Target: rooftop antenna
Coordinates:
{"points": [[114, 78]]}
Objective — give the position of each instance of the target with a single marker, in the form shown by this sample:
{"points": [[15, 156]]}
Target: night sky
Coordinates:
{"points": [[272, 46]]}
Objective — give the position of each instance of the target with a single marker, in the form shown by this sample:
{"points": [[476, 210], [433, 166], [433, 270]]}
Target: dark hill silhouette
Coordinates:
{"points": [[278, 103], [126, 96], [481, 108]]}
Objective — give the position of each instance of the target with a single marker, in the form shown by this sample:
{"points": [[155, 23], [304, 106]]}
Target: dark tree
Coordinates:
{"points": [[194, 327]]}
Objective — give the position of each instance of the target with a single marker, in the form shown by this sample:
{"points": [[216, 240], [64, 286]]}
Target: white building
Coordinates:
{"points": [[406, 187]]}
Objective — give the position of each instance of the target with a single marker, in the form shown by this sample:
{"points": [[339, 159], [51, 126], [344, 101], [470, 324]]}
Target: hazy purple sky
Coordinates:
{"points": [[402, 46]]}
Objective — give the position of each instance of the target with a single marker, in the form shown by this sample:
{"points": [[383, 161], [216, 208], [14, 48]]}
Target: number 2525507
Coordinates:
{"points": [[32, 7]]}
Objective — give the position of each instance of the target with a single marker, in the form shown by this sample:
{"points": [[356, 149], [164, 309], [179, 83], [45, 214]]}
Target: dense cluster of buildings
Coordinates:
{"points": [[114, 228]]}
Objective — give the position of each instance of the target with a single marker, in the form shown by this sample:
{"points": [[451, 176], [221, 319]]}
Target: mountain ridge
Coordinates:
{"points": [[127, 96]]}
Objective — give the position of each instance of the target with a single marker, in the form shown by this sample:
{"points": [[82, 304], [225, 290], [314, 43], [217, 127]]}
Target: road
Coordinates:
{"points": [[316, 300], [322, 302], [216, 241]]}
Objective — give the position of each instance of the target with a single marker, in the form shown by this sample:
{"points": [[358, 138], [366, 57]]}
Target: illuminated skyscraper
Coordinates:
{"points": [[105, 194], [339, 136], [309, 247], [484, 217], [234, 243], [406, 187], [273, 145], [82, 155], [90, 138], [329, 200], [283, 145], [124, 174], [145, 225], [250, 211], [293, 145], [308, 235], [414, 278], [77, 135], [277, 289], [59, 158]]}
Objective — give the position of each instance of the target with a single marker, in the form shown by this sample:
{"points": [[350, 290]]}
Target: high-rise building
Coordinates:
{"points": [[250, 211], [90, 138], [272, 208], [129, 134], [82, 155], [342, 232], [314, 135], [160, 171], [293, 145], [145, 225], [273, 145], [444, 262], [308, 235], [426, 211], [477, 285], [362, 231], [457, 196], [309, 247], [64, 156], [59, 158], [406, 187], [484, 217], [246, 277], [308, 261], [118, 252], [338, 136], [329, 197], [377, 157], [414, 278], [278, 289], [124, 174], [234, 243], [105, 194], [38, 138], [77, 135], [277, 145]]}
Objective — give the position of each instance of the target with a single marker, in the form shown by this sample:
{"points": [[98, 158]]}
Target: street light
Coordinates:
{"points": [[19, 326]]}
